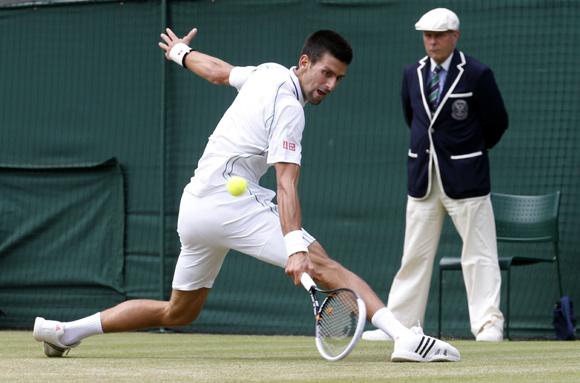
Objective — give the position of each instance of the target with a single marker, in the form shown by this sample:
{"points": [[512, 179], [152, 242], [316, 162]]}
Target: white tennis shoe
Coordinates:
{"points": [[49, 332], [491, 332], [423, 348]]}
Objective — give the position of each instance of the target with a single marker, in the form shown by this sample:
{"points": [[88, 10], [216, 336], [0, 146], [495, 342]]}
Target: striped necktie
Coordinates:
{"points": [[434, 88]]}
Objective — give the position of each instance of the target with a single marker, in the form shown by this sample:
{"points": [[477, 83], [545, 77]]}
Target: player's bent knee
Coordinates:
{"points": [[175, 318], [180, 315], [184, 307]]}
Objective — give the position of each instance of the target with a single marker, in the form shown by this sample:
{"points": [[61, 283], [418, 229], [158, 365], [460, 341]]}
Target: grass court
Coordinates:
{"points": [[165, 357]]}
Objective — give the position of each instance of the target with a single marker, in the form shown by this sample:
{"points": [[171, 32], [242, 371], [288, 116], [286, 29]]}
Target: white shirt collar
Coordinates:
{"points": [[446, 64], [297, 88]]}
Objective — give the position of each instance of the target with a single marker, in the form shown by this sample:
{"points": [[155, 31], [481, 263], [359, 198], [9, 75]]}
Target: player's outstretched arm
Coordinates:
{"points": [[205, 66], [287, 176]]}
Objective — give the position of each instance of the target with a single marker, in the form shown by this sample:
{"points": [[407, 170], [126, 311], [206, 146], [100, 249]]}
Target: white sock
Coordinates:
{"points": [[82, 328], [386, 321]]}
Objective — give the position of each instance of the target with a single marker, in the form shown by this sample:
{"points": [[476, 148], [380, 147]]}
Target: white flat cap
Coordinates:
{"points": [[438, 20]]}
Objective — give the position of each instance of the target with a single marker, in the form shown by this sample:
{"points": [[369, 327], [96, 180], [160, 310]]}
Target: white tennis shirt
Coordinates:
{"points": [[263, 126]]}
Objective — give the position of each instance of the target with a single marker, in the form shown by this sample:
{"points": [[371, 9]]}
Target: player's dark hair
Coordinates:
{"points": [[327, 41]]}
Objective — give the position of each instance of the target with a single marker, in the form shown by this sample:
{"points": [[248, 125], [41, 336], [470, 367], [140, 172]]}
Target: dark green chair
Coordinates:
{"points": [[518, 219]]}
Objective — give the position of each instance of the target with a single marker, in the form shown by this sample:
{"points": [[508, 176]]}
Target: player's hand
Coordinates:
{"points": [[171, 39], [297, 264]]}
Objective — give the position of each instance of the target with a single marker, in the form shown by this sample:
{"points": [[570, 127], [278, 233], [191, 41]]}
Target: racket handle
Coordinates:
{"points": [[307, 281]]}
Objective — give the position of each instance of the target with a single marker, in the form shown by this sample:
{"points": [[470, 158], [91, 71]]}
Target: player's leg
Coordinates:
{"points": [[197, 267], [474, 220], [60, 337], [182, 309], [410, 346]]}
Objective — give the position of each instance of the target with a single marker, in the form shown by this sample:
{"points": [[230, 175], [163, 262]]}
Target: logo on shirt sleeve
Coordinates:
{"points": [[289, 145]]}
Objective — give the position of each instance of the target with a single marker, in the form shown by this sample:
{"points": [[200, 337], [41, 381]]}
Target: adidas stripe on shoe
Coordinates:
{"points": [[423, 348]]}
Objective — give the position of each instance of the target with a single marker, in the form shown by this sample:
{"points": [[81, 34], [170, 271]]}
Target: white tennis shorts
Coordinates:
{"points": [[210, 226]]}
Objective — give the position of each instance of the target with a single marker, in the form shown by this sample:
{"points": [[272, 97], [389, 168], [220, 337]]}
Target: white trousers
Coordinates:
{"points": [[474, 221]]}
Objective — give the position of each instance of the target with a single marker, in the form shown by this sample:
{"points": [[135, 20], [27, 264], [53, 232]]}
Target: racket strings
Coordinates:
{"points": [[338, 321]]}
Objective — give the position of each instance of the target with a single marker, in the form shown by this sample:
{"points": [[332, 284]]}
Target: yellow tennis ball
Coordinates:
{"points": [[237, 185]]}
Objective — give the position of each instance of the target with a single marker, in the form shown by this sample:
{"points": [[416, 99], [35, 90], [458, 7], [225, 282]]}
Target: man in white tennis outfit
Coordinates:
{"points": [[262, 128]]}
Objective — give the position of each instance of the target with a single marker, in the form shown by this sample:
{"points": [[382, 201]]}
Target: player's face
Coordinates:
{"points": [[318, 80], [439, 45]]}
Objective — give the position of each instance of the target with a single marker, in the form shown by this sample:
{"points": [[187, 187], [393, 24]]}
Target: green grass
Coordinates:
{"points": [[149, 357]]}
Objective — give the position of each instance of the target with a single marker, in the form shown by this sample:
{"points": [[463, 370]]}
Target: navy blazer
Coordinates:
{"points": [[469, 120]]}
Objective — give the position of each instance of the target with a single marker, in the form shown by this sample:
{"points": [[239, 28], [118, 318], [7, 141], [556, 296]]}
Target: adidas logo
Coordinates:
{"points": [[425, 346]]}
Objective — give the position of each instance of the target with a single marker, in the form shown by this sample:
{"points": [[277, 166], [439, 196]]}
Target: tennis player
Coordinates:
{"points": [[262, 128]]}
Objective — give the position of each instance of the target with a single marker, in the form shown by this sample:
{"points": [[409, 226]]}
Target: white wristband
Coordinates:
{"points": [[295, 242], [178, 52]]}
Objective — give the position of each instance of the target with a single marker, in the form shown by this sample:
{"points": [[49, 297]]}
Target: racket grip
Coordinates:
{"points": [[307, 281]]}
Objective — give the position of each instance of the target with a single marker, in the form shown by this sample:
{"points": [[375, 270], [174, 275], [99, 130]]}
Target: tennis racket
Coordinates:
{"points": [[340, 319]]}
